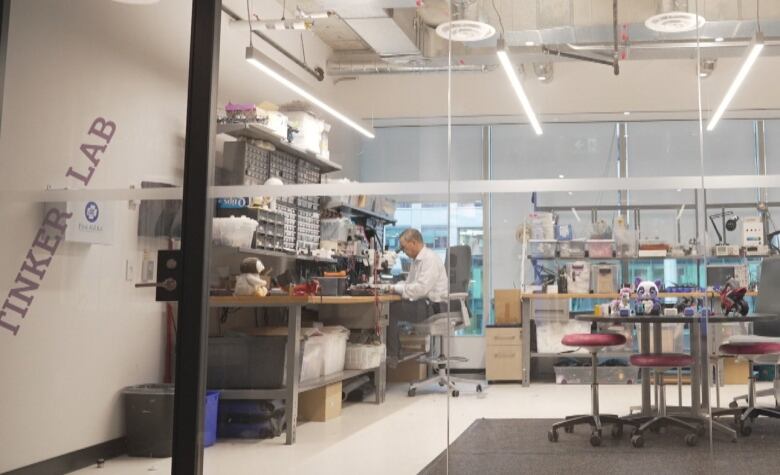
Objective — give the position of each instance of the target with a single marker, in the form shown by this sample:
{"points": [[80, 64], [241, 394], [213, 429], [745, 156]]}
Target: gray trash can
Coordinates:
{"points": [[149, 420]]}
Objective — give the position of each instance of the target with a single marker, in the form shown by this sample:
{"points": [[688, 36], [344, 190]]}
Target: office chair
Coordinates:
{"points": [[768, 302], [454, 316]]}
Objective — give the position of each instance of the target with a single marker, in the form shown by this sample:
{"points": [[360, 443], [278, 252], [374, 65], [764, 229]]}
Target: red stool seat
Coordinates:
{"points": [[662, 360], [757, 348], [593, 339]]}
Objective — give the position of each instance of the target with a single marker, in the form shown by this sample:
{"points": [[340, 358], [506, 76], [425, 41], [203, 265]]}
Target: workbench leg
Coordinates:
{"points": [[293, 370], [525, 305], [644, 348], [380, 374], [699, 387]]}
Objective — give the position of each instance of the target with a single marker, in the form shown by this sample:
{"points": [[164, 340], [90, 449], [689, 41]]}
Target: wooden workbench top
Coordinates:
{"points": [[616, 295], [285, 300]]}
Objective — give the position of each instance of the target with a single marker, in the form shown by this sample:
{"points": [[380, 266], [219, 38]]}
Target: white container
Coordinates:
{"points": [[233, 231], [310, 129], [363, 356], [334, 349], [550, 334], [312, 365]]}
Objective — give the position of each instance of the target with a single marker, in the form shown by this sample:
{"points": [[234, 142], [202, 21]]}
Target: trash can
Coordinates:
{"points": [[149, 419]]}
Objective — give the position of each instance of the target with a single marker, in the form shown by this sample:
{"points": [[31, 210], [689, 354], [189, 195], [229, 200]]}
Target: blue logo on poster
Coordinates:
{"points": [[91, 212], [233, 203]]}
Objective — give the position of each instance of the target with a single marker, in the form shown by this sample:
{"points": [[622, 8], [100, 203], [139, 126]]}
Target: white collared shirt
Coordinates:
{"points": [[427, 278]]}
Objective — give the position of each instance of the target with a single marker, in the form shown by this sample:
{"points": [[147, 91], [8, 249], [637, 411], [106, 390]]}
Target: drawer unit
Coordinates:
{"points": [[502, 336], [552, 310], [504, 353]]}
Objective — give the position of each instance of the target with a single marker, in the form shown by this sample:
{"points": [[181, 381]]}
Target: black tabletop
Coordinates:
{"points": [[753, 317]]}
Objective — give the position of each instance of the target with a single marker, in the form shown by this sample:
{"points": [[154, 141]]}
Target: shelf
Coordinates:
{"points": [[280, 254], [365, 212], [662, 295], [658, 258], [332, 378], [260, 132], [303, 386]]}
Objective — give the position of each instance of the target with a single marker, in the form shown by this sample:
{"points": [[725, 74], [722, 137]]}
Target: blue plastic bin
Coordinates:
{"points": [[210, 420]]}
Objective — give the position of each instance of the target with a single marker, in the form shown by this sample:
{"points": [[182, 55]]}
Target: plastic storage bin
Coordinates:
{"points": [[600, 248], [149, 419], [605, 374], [233, 231], [246, 362], [363, 356], [549, 335], [571, 249], [542, 247], [334, 349]]}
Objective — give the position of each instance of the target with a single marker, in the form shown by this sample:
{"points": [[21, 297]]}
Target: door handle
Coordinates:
{"points": [[168, 284]]}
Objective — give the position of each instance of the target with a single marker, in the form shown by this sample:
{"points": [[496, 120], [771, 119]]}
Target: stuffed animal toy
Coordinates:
{"points": [[647, 302], [250, 282], [622, 306]]}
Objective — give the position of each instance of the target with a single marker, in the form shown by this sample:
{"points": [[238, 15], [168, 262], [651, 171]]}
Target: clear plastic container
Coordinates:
{"points": [[600, 248], [542, 247], [571, 249], [363, 356], [605, 374]]}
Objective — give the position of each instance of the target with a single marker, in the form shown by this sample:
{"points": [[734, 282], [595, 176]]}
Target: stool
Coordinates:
{"points": [[750, 351], [657, 362], [593, 342]]}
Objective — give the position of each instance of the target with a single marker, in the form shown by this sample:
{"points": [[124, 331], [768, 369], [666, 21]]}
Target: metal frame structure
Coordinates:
{"points": [[192, 331]]}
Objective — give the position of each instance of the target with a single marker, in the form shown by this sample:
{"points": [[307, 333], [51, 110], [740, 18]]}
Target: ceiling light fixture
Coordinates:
{"points": [[270, 68], [719, 39], [529, 43], [509, 69], [756, 45], [627, 113]]}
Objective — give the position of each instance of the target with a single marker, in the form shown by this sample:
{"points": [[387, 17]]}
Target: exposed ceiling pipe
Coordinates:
{"points": [[348, 68]]}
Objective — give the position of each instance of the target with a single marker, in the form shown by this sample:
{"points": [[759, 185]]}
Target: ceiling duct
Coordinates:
{"points": [[387, 26]]}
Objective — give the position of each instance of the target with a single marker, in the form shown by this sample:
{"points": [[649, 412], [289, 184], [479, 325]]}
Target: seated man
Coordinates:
{"points": [[424, 290]]}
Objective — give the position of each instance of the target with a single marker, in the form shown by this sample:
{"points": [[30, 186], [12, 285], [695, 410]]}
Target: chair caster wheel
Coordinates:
{"points": [[637, 441], [617, 431], [552, 436], [691, 440], [479, 388], [411, 392], [595, 439], [455, 393], [733, 405], [745, 430], [568, 429]]}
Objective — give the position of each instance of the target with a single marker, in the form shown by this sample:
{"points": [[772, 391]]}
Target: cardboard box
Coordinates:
{"points": [[407, 372], [507, 306], [735, 371], [321, 404]]}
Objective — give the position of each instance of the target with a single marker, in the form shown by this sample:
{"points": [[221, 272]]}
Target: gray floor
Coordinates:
{"points": [[512, 446]]}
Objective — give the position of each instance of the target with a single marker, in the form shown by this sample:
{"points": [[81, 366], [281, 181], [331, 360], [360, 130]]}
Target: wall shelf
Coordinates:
{"points": [[279, 254], [260, 132], [351, 210], [303, 386]]}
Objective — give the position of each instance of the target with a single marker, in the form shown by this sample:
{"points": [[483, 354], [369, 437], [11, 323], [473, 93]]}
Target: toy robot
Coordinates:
{"points": [[622, 306], [732, 299], [647, 302]]}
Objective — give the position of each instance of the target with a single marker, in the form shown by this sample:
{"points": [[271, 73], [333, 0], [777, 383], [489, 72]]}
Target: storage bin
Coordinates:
{"points": [[549, 335], [246, 362], [332, 286], [311, 366], [542, 247], [571, 249], [600, 248], [363, 356], [233, 231], [553, 310], [250, 419], [334, 349], [605, 374], [148, 412]]}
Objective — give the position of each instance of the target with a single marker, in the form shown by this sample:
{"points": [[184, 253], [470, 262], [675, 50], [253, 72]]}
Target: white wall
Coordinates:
{"points": [[89, 332]]}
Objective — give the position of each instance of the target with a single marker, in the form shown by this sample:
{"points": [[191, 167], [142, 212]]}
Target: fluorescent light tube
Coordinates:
{"points": [[503, 58], [753, 51], [263, 63]]}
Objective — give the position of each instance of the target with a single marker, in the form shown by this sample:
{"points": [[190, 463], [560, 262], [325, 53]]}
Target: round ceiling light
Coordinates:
{"points": [[674, 22], [465, 31]]}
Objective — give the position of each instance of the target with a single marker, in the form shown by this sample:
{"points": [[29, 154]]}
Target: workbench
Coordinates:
{"points": [[526, 316], [369, 312]]}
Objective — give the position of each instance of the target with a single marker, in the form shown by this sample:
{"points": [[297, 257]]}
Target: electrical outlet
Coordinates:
{"points": [[129, 270], [148, 267]]}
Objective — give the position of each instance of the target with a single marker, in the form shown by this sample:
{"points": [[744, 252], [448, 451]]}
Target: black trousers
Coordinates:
{"points": [[412, 311]]}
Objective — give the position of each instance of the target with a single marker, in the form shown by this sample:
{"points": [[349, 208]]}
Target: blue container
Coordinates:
{"points": [[239, 419], [210, 419]]}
